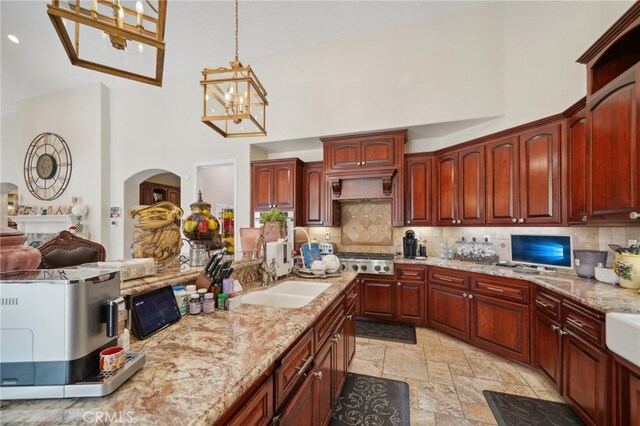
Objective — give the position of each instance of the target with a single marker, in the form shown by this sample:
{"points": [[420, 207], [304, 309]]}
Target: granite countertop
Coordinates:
{"points": [[602, 297], [171, 276], [195, 369]]}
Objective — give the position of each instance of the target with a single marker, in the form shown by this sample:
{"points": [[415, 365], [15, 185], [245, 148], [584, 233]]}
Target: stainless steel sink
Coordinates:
{"points": [[288, 294], [623, 335]]}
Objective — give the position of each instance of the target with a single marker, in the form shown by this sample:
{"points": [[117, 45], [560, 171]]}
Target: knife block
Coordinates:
{"points": [[203, 281]]}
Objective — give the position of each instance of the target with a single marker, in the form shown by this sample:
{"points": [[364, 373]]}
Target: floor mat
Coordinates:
{"points": [[379, 330], [368, 400], [521, 410]]}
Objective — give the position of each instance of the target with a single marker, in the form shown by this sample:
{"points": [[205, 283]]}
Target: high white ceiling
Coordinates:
{"points": [[198, 34]]}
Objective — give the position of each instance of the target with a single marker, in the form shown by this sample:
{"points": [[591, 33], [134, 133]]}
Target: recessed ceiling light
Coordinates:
{"points": [[13, 38]]}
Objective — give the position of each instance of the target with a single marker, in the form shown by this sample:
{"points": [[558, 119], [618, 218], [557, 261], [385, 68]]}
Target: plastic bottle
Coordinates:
{"points": [[194, 304], [209, 303]]}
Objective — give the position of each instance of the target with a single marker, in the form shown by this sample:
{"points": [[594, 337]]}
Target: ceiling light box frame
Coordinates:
{"points": [[121, 24]]}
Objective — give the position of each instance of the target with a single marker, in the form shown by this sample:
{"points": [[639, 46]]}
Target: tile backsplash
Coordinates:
{"points": [[366, 223], [593, 238]]}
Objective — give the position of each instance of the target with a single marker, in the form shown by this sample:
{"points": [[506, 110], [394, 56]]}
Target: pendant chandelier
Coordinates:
{"points": [[121, 38], [234, 101]]}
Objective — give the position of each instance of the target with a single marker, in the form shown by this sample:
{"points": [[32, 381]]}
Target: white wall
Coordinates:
{"points": [[80, 118], [217, 183]]}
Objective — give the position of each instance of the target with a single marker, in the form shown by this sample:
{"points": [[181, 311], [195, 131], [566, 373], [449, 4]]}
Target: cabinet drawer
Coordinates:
{"points": [[351, 294], [258, 410], [512, 290], [548, 304], [448, 278], [330, 319], [293, 366], [584, 323], [410, 273]]}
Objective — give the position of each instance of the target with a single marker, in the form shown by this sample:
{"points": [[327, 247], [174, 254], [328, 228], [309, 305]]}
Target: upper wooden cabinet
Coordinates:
{"points": [[374, 151], [151, 192], [418, 190], [576, 148], [613, 122], [313, 184], [277, 184], [460, 194], [523, 178]]}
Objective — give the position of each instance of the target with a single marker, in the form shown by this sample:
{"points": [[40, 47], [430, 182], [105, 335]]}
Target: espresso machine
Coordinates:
{"points": [[53, 325], [409, 244]]}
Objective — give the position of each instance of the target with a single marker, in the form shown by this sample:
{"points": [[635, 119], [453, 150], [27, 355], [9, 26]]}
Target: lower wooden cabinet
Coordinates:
{"points": [[258, 410], [585, 381], [547, 348], [350, 332], [634, 399], [449, 310], [323, 385], [625, 398], [299, 411], [377, 297]]}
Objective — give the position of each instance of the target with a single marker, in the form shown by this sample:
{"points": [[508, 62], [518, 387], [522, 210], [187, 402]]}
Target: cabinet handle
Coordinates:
{"points": [[514, 220], [353, 296], [555, 328], [521, 220], [307, 363], [349, 317], [336, 337], [471, 296], [544, 305], [584, 218], [577, 323], [634, 215], [318, 375], [562, 332], [446, 279], [499, 290], [276, 419]]}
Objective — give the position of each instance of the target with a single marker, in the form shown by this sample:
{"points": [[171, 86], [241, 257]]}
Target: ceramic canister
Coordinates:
{"points": [[14, 255], [627, 268]]}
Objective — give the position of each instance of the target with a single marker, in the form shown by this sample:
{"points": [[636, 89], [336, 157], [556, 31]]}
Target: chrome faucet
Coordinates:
{"points": [[254, 252]]}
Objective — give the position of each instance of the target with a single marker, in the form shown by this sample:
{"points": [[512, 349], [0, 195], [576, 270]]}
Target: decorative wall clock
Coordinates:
{"points": [[47, 166]]}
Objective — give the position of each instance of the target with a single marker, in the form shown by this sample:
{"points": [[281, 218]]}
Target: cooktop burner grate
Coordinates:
{"points": [[372, 256]]}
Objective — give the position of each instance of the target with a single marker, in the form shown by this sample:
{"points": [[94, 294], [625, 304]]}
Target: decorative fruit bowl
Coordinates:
{"points": [[200, 225]]}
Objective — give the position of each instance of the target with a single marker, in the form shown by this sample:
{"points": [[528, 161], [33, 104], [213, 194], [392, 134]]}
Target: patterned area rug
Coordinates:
{"points": [[367, 400], [379, 330], [521, 410]]}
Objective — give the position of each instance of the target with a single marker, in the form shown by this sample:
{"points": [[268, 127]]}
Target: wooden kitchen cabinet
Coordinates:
{"points": [[350, 332], [523, 177], [377, 297], [410, 294], [626, 392], [449, 310], [577, 166], [258, 410], [313, 184], [585, 381], [460, 183], [299, 411], [361, 152], [151, 192], [323, 386], [277, 184], [548, 349], [418, 192]]}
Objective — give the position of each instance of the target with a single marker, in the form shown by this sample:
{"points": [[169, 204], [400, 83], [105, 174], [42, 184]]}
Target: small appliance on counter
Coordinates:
{"points": [[327, 248], [280, 252], [409, 244], [586, 261], [53, 325]]}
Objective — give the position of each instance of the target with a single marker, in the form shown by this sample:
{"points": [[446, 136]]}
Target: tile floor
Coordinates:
{"points": [[446, 377]]}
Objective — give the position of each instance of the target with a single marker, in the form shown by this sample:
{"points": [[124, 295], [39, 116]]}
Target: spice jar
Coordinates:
{"points": [[194, 305], [209, 303]]}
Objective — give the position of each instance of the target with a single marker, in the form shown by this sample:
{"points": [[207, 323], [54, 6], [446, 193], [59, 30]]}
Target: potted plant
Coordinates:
{"points": [[273, 222]]}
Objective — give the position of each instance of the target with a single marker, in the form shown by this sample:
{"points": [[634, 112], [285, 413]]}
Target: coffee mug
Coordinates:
{"points": [[112, 358]]}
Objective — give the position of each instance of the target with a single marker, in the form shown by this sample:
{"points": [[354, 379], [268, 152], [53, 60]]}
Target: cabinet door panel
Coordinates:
{"points": [[502, 181], [540, 175], [585, 380], [378, 299], [410, 302], [323, 383], [471, 206], [313, 195], [283, 181], [501, 327], [634, 399], [340, 344], [449, 311], [258, 410], [377, 152], [299, 411], [344, 155], [447, 189], [350, 332], [548, 348], [577, 164], [262, 187], [614, 155], [418, 178]]}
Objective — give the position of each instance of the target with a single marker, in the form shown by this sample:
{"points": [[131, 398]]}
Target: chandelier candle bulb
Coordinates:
{"points": [[140, 11]]}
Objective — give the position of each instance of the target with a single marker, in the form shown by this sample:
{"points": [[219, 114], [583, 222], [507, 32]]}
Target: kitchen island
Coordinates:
{"points": [[195, 371]]}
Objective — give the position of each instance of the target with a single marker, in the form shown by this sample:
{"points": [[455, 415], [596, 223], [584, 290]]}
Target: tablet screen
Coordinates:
{"points": [[154, 310]]}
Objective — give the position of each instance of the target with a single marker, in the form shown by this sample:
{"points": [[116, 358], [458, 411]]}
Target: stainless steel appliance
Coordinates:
{"points": [[367, 263], [53, 325]]}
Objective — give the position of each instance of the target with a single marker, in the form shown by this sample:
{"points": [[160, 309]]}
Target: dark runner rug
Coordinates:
{"points": [[521, 410], [379, 330], [367, 400]]}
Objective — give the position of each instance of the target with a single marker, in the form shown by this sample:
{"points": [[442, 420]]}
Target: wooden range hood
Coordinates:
{"points": [[365, 167]]}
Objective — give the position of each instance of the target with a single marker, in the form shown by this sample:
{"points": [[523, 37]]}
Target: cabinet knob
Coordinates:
{"points": [[453, 221], [634, 215], [408, 222], [364, 162], [459, 221], [521, 220], [398, 283], [318, 375], [357, 163], [584, 218], [514, 220], [349, 317], [465, 294], [321, 222], [471, 296], [554, 327]]}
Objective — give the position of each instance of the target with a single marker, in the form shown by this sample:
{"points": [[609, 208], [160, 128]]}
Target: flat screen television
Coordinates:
{"points": [[543, 250]]}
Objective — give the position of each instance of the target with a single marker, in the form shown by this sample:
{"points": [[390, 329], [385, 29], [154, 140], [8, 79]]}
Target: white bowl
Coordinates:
{"points": [[606, 275]]}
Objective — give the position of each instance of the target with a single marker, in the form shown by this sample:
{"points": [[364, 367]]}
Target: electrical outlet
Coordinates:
{"points": [[486, 238], [632, 242], [327, 236]]}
